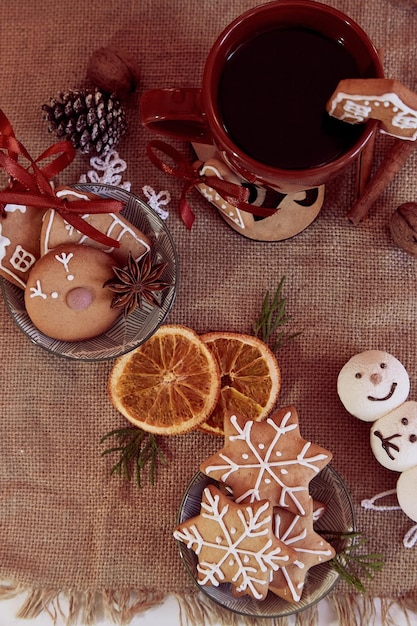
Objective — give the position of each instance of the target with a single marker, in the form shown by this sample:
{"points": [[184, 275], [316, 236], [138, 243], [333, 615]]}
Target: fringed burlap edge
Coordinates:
{"points": [[73, 607]]}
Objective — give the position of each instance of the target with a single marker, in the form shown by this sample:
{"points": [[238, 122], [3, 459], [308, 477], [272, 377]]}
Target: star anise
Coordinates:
{"points": [[136, 282]]}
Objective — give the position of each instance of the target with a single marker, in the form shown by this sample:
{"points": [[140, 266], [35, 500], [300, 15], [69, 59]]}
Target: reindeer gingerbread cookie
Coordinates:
{"points": [[373, 386]]}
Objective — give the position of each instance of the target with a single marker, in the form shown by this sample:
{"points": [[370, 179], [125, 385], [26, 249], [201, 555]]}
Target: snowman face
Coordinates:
{"points": [[372, 384], [394, 438]]}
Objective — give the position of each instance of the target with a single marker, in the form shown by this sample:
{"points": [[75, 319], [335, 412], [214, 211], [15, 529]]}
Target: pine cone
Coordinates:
{"points": [[93, 121]]}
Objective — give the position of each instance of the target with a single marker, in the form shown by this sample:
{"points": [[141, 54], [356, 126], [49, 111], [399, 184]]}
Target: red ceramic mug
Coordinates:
{"points": [[262, 101]]}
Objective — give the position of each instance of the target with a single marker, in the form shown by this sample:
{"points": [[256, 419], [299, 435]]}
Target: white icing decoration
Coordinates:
{"points": [[263, 462], [354, 108], [22, 260], [254, 523], [54, 295], [295, 538], [157, 200], [37, 291], [116, 223], [11, 208], [64, 259], [111, 166], [70, 277], [4, 242], [209, 193]]}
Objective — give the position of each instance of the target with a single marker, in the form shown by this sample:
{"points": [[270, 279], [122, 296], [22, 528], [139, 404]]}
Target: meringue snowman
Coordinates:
{"points": [[373, 386]]}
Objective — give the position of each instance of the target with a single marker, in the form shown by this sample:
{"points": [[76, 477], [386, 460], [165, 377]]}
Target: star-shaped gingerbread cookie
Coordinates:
{"points": [[234, 543], [298, 533], [268, 460]]}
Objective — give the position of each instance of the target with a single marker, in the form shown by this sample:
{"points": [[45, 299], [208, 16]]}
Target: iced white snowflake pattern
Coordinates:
{"points": [[311, 549], [258, 459], [234, 543]]}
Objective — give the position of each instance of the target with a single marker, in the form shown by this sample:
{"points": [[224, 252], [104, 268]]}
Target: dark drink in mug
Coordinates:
{"points": [[272, 98], [262, 102]]}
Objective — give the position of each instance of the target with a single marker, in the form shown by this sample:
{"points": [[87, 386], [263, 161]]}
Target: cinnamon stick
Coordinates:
{"points": [[364, 166], [392, 163]]}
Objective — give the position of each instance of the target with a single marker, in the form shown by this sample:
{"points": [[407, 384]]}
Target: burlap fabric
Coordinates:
{"points": [[66, 526]]}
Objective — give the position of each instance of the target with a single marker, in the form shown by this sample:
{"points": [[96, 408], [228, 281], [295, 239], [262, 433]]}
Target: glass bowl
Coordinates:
{"points": [[125, 334], [339, 517]]}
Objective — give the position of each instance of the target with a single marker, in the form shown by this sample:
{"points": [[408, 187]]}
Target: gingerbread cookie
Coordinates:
{"points": [[268, 460], [56, 231], [19, 242], [294, 210], [297, 532], [234, 543], [357, 100], [64, 295]]}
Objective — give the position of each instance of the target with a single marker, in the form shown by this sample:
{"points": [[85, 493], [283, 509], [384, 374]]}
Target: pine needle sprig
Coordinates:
{"points": [[351, 563], [137, 449], [272, 317]]}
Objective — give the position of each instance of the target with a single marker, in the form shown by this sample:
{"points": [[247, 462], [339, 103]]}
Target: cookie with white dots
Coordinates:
{"points": [[64, 295]]}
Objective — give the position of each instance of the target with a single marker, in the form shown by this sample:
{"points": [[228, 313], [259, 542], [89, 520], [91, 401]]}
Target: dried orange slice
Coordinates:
{"points": [[250, 377], [168, 385]]}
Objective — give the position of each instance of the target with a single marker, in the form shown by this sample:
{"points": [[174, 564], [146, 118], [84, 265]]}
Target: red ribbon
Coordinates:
{"points": [[32, 188], [234, 194]]}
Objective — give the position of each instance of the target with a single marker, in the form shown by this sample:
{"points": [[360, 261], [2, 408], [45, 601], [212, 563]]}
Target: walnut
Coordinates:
{"points": [[113, 71], [403, 227]]}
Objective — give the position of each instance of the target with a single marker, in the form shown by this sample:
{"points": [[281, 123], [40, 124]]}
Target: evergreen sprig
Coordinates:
{"points": [[272, 317], [351, 562], [137, 449]]}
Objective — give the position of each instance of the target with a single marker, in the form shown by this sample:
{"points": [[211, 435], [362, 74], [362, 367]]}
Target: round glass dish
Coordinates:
{"points": [[125, 334], [328, 488]]}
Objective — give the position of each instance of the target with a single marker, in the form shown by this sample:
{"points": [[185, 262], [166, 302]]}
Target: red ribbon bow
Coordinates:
{"points": [[32, 188], [234, 194]]}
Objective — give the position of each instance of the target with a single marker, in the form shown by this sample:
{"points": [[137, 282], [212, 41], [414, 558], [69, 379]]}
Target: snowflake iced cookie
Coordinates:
{"points": [[56, 231], [311, 549], [268, 460], [372, 383], [234, 543], [64, 295]]}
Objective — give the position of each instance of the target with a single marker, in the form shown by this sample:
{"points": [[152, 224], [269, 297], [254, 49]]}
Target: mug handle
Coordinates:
{"points": [[175, 113]]}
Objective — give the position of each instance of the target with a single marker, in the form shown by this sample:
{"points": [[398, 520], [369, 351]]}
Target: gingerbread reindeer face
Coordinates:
{"points": [[372, 384], [394, 438]]}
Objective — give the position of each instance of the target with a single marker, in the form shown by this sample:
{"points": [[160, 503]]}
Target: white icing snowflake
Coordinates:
{"points": [[310, 547], [110, 167], [157, 200], [268, 460], [234, 543]]}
